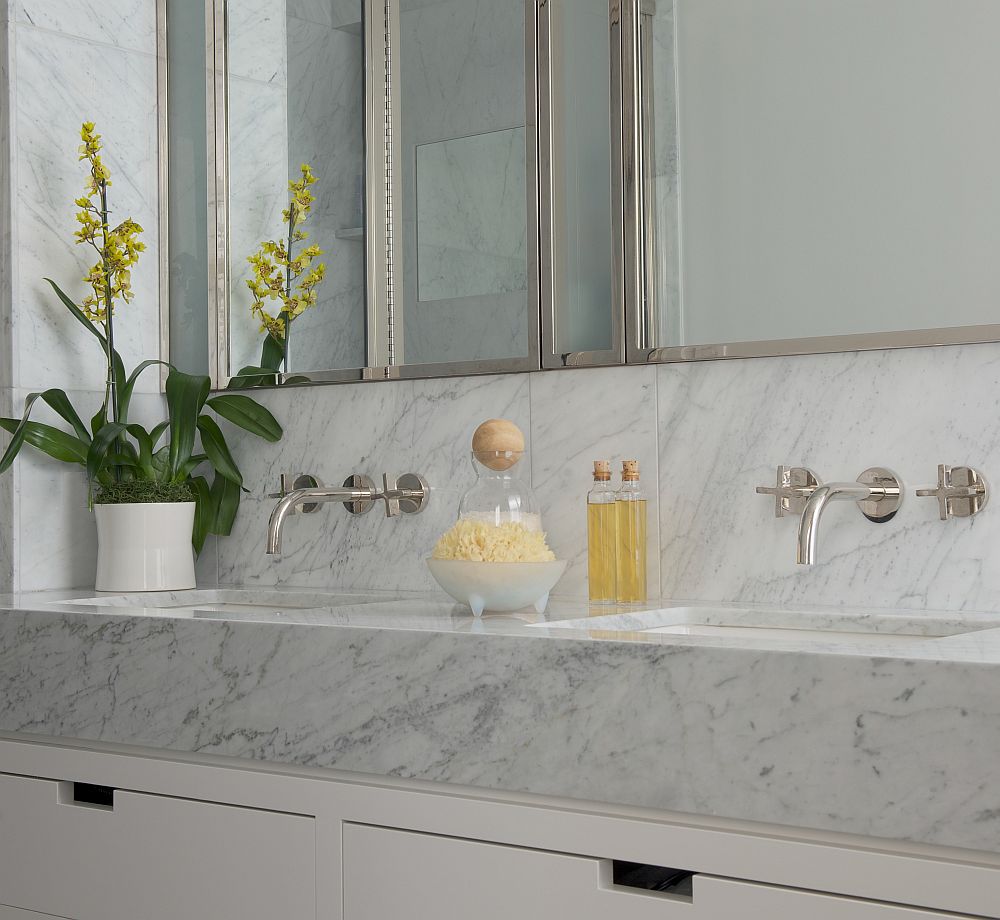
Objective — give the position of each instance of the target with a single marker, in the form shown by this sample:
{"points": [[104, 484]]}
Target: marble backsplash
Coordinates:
{"points": [[706, 434]]}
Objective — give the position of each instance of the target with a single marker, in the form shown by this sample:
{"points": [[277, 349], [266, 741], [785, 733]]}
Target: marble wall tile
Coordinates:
{"points": [[725, 426], [578, 416], [61, 82], [422, 426], [124, 23]]}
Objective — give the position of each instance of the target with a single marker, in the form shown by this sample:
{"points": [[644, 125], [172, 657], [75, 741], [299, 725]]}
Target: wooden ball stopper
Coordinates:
{"points": [[498, 443]]}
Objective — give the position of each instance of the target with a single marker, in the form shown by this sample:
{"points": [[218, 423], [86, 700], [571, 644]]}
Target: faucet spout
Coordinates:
{"points": [[813, 512], [878, 493], [293, 499]]}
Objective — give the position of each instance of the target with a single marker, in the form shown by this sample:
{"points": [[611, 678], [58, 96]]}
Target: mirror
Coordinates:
{"points": [[583, 287], [374, 227], [838, 174], [504, 185], [296, 100], [463, 190]]}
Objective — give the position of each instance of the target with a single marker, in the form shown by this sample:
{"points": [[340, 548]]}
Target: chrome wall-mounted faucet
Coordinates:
{"points": [[878, 493], [406, 495]]}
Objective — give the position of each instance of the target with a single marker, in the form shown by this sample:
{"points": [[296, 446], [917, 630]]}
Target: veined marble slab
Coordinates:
{"points": [[894, 745]]}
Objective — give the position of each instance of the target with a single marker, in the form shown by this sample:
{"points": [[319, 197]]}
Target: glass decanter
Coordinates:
{"points": [[500, 496]]}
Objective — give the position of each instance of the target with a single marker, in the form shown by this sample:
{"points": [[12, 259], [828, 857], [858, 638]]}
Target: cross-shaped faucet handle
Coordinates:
{"points": [[792, 488]]}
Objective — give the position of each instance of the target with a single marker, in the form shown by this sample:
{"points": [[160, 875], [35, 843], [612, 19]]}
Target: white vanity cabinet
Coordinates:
{"points": [[150, 857], [111, 835], [412, 876]]}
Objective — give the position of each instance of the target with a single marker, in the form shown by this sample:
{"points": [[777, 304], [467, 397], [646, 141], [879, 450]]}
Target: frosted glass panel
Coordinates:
{"points": [[838, 164]]}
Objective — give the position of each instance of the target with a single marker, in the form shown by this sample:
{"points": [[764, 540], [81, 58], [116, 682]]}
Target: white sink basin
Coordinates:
{"points": [[780, 628], [230, 603]]}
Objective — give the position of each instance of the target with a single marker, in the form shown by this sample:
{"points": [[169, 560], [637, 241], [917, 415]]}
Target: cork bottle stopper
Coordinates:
{"points": [[498, 443], [630, 470], [602, 471]]}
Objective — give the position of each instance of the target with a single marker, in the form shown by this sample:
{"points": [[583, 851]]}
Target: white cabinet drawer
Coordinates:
{"points": [[727, 899], [402, 875], [151, 857]]}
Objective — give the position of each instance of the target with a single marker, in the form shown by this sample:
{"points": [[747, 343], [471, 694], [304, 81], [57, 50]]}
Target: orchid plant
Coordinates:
{"points": [[124, 461]]}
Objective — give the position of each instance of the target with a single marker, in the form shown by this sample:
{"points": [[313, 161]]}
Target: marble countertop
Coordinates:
{"points": [[895, 736]]}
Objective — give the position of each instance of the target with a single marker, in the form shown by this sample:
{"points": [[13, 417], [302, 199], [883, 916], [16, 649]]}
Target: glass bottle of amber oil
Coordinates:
{"points": [[631, 513], [602, 536]]}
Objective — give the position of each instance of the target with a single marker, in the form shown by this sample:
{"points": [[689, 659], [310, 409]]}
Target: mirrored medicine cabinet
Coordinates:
{"points": [[487, 186]]}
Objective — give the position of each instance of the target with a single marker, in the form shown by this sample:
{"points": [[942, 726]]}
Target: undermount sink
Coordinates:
{"points": [[230, 602], [750, 626]]}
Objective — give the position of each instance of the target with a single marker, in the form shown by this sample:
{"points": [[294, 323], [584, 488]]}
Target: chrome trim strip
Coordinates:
{"points": [[549, 237], [825, 344], [162, 185], [543, 107], [375, 217], [533, 212], [218, 192], [633, 172]]}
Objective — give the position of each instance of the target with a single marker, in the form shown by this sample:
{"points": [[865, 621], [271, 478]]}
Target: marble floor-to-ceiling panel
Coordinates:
{"points": [[62, 81], [421, 426], [725, 427], [8, 506]]}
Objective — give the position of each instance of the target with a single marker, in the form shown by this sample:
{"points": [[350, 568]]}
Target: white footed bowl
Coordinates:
{"points": [[498, 586]]}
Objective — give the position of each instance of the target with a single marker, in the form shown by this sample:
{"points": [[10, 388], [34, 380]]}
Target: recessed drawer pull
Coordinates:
{"points": [[87, 795], [644, 877]]}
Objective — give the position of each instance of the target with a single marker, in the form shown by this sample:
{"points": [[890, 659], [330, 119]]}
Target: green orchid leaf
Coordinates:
{"points": [[99, 420], [79, 314], [248, 415], [161, 464], [252, 376], [272, 353], [192, 464], [57, 444], [61, 404], [156, 432], [145, 458], [100, 447], [128, 386], [59, 401], [203, 512], [186, 395], [214, 444], [225, 504]]}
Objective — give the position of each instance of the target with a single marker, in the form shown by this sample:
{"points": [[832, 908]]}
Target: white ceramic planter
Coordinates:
{"points": [[145, 547]]}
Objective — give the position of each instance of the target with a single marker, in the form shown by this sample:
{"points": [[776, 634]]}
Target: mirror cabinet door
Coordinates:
{"points": [[580, 125], [838, 177], [464, 214], [295, 89]]}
